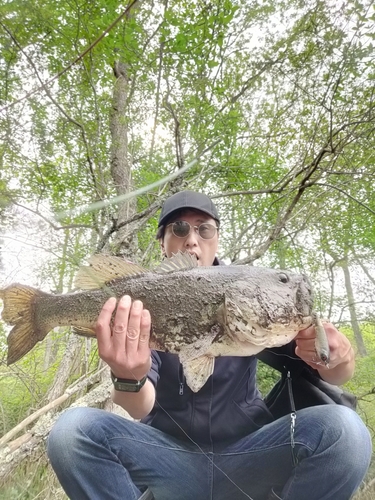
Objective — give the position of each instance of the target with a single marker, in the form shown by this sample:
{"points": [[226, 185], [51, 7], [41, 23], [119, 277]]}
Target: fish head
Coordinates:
{"points": [[289, 289], [282, 295], [268, 307]]}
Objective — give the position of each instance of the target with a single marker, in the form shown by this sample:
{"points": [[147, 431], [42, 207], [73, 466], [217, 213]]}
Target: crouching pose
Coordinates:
{"points": [[219, 443]]}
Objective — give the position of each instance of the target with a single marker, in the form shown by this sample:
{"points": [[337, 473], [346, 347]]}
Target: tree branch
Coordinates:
{"points": [[77, 59]]}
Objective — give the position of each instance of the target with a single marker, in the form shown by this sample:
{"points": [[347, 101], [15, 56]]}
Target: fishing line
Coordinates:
{"points": [[319, 363], [91, 272], [205, 454], [199, 447], [98, 205]]}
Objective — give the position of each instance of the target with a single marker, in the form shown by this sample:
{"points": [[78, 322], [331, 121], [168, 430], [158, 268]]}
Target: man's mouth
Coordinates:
{"points": [[195, 255]]}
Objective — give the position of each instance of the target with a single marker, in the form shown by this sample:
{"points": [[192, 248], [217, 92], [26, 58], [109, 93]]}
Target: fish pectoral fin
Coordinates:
{"points": [[197, 371], [198, 365], [83, 332], [103, 269], [180, 261]]}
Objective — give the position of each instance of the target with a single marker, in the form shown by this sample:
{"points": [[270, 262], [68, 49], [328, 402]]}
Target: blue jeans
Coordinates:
{"points": [[99, 455]]}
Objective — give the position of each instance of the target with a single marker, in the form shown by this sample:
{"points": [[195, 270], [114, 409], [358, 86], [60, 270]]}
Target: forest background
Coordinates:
{"points": [[108, 108]]}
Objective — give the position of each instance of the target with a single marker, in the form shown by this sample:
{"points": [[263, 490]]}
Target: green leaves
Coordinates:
{"points": [[286, 89]]}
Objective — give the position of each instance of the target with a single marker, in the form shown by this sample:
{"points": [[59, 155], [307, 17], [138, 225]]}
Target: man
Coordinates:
{"points": [[220, 443]]}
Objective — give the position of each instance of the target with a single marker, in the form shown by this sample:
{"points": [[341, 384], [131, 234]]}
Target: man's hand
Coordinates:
{"points": [[124, 343], [341, 364]]}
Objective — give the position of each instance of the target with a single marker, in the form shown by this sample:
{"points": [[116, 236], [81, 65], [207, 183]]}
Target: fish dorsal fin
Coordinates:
{"points": [[103, 269], [180, 261]]}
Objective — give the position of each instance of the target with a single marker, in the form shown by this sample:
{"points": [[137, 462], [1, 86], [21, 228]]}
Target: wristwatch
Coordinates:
{"points": [[128, 385]]}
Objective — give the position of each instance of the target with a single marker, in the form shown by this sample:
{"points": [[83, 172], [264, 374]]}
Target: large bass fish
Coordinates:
{"points": [[198, 313]]}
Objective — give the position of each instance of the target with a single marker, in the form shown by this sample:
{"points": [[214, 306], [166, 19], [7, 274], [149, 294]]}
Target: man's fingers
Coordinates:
{"points": [[120, 324], [306, 344], [307, 333], [144, 334], [133, 328], [103, 326], [124, 341]]}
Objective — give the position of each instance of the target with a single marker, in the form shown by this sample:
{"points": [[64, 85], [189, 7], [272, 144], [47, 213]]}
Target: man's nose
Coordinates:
{"points": [[192, 238]]}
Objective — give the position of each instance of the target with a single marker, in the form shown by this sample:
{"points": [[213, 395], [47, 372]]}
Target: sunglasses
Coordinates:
{"points": [[181, 229]]}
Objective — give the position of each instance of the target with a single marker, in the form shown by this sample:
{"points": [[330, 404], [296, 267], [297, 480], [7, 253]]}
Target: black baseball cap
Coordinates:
{"points": [[187, 199]]}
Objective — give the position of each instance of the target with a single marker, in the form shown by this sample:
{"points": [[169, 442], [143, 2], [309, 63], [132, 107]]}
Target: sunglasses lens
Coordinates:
{"points": [[207, 231], [181, 228]]}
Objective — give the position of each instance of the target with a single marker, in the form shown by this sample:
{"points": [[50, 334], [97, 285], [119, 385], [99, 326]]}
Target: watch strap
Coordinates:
{"points": [[127, 385]]}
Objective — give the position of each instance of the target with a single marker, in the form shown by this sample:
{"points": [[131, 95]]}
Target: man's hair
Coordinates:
{"points": [[160, 233]]}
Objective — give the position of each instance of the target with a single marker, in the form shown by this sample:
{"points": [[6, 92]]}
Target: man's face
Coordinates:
{"points": [[204, 250]]}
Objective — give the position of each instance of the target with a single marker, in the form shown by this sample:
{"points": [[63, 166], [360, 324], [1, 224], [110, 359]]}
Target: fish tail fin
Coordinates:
{"points": [[19, 310]]}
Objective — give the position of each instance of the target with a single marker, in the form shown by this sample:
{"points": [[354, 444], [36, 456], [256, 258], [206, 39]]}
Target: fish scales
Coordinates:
{"points": [[198, 313], [175, 302]]}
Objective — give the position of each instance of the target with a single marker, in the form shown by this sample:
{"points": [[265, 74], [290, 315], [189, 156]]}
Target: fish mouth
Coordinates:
{"points": [[304, 299], [307, 320]]}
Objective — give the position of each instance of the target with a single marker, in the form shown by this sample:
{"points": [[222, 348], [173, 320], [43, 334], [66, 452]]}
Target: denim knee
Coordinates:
{"points": [[347, 430], [340, 435], [63, 439]]}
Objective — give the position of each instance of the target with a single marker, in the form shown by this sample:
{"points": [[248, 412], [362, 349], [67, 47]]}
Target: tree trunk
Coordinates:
{"points": [[62, 375], [14, 452], [125, 240], [353, 314], [48, 352]]}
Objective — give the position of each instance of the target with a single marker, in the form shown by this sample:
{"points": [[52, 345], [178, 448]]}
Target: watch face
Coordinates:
{"points": [[127, 387]]}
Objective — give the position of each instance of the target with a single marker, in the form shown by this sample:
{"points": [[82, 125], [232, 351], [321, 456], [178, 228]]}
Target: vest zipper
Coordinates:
{"points": [[181, 380]]}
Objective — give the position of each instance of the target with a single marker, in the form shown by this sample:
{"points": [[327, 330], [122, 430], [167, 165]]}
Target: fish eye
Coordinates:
{"points": [[283, 278]]}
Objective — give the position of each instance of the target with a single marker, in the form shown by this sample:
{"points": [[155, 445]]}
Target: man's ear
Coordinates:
{"points": [[162, 247]]}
